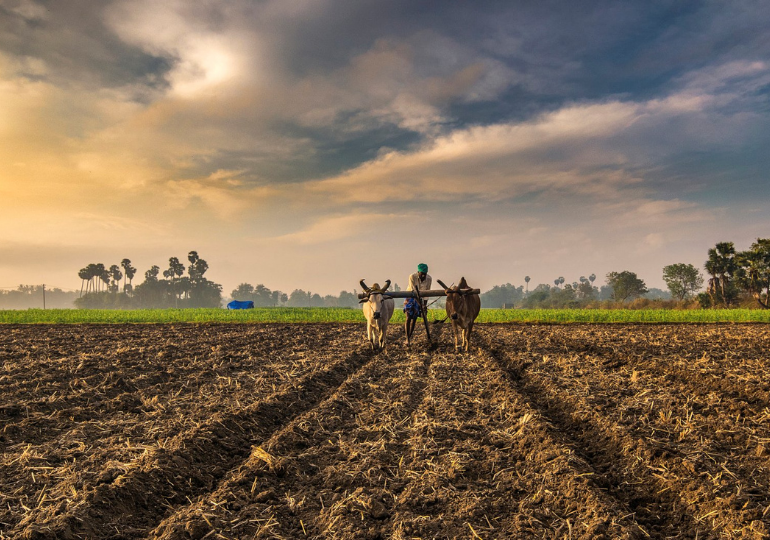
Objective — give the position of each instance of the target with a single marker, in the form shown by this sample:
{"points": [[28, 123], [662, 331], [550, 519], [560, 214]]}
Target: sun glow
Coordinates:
{"points": [[208, 65]]}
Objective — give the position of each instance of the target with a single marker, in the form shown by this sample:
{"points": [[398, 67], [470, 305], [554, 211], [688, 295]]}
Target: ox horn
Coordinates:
{"points": [[442, 284], [387, 284], [364, 287]]}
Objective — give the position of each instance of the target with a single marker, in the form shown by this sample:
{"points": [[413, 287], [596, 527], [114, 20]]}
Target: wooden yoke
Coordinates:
{"points": [[423, 294]]}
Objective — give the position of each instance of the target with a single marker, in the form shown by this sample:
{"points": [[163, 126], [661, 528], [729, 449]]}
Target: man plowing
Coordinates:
{"points": [[414, 308]]}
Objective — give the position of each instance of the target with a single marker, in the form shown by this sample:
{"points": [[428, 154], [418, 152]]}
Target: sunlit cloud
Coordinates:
{"points": [[203, 59], [221, 193], [502, 160], [335, 228]]}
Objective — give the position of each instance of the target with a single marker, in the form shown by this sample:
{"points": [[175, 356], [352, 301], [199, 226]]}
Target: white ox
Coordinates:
{"points": [[378, 310]]}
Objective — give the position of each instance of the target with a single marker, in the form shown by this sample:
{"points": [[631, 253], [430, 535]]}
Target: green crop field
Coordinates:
{"points": [[341, 315]]}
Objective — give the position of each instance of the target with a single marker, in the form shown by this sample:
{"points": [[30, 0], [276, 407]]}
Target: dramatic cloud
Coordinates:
{"points": [[534, 138], [595, 148]]}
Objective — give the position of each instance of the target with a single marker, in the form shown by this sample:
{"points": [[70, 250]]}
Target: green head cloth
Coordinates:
{"points": [[422, 267]]}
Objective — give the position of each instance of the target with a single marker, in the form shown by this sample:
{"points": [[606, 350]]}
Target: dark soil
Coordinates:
{"points": [[295, 431]]}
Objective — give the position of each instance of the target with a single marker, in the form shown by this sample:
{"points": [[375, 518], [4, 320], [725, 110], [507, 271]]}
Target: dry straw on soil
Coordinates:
{"points": [[282, 431]]}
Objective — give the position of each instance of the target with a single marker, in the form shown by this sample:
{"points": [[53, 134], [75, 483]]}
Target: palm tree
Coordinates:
{"points": [[84, 275], [124, 264], [105, 276], [152, 273], [99, 271], [178, 269], [721, 266], [173, 262], [193, 258], [116, 276], [201, 267], [591, 278], [93, 271], [561, 280], [128, 272], [556, 282], [753, 272], [197, 268], [526, 280], [175, 270]]}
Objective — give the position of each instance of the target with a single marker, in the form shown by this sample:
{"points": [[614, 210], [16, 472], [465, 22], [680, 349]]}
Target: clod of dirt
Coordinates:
{"points": [[264, 496], [378, 510], [197, 529]]}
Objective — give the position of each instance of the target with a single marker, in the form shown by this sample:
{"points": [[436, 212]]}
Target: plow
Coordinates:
{"points": [[418, 295]]}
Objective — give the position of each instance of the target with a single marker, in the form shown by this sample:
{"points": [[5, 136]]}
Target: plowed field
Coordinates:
{"points": [[295, 431]]}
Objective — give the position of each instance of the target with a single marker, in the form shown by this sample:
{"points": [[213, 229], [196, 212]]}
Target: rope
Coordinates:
{"points": [[439, 298], [436, 300]]}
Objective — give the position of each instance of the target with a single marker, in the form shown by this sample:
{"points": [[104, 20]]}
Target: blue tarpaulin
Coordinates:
{"points": [[238, 304]]}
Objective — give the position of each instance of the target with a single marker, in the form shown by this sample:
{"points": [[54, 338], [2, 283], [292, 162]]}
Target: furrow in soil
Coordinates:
{"points": [[481, 464], [672, 451], [129, 499], [330, 473]]}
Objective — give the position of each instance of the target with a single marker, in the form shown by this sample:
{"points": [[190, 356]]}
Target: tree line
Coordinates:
{"points": [[180, 287], [738, 276], [735, 279], [621, 287], [264, 297], [34, 296]]}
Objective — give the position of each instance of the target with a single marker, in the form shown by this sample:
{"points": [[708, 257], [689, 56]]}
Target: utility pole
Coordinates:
{"points": [[43, 295]]}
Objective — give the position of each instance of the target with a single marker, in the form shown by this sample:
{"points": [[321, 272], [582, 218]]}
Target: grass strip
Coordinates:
{"points": [[342, 315]]}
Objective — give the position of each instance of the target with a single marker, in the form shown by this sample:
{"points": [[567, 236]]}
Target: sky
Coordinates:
{"points": [[309, 144]]}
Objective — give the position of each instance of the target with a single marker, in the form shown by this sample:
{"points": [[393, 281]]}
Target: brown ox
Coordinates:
{"points": [[378, 309], [462, 309]]}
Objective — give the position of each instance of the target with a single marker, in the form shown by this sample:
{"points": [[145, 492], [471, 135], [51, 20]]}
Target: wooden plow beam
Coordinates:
{"points": [[413, 294]]}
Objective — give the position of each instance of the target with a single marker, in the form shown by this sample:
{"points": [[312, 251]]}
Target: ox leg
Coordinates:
{"points": [[467, 337], [382, 338], [454, 331], [370, 334]]}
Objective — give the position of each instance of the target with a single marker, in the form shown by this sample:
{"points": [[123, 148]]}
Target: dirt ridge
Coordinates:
{"points": [[186, 468], [646, 475]]}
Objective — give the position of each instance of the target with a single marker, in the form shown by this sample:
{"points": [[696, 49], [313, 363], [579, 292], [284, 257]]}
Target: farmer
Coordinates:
{"points": [[419, 281]]}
